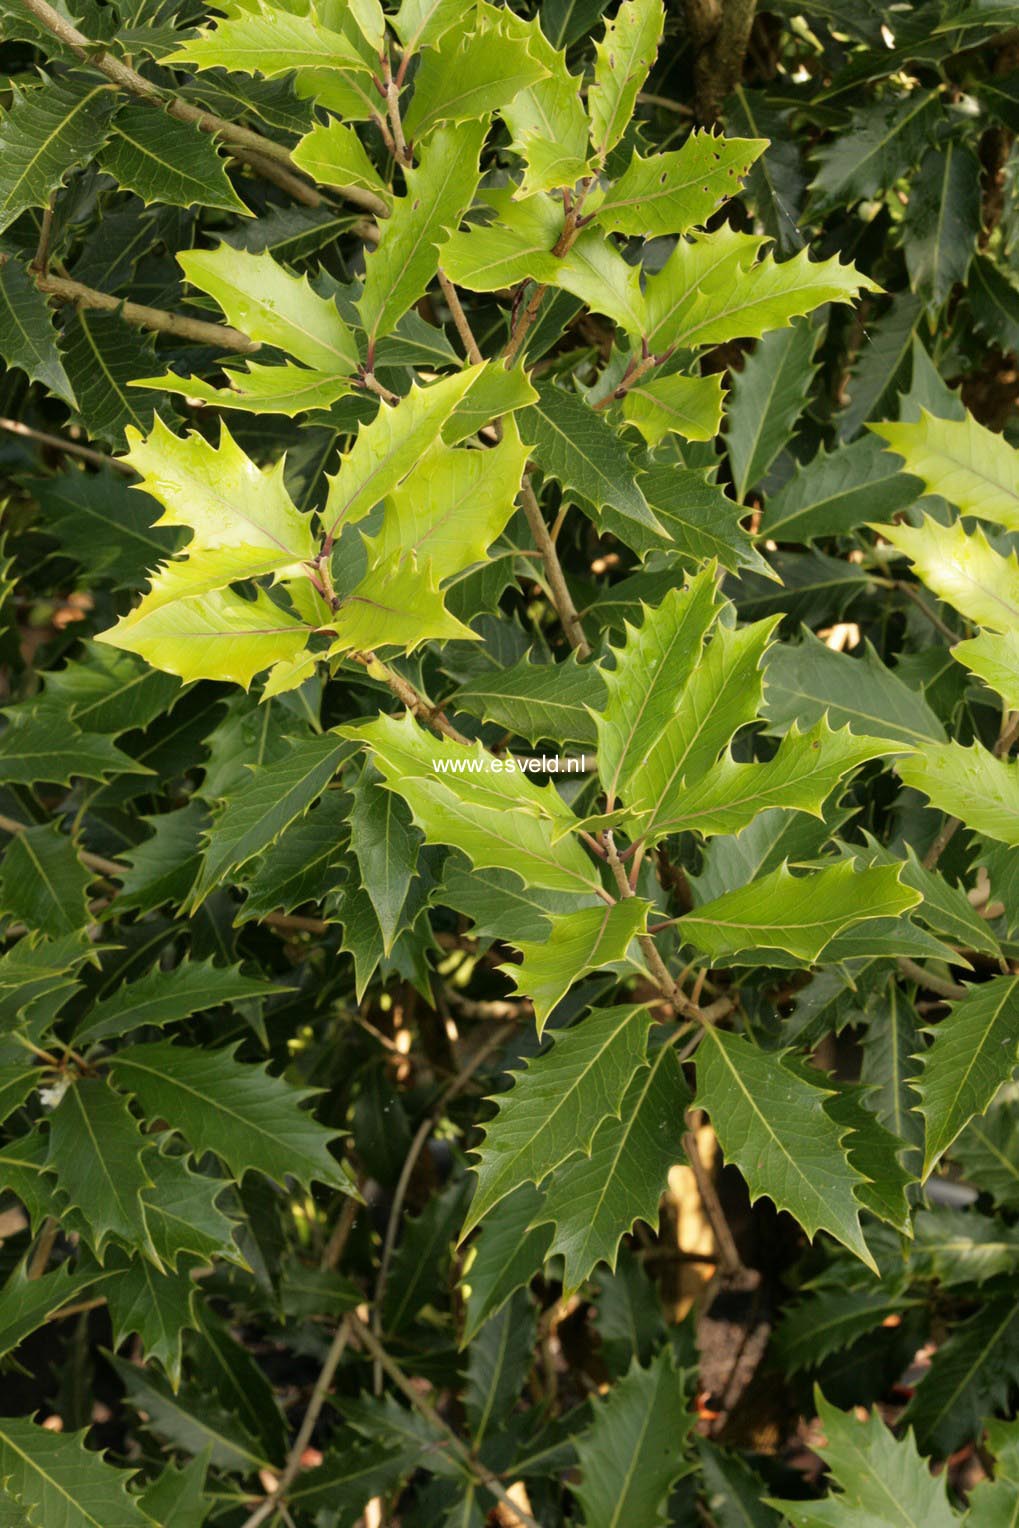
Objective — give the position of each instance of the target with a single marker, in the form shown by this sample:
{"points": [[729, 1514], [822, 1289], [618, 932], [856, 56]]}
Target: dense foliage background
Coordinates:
{"points": [[394, 1139]]}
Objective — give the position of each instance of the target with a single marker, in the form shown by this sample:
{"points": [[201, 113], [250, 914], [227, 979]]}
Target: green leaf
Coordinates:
{"points": [[767, 398], [102, 356], [491, 812], [419, 23], [993, 658], [111, 692], [95, 1151], [509, 1249], [689, 406], [467, 75], [285, 389], [262, 299], [581, 451], [733, 1492], [798, 914], [975, 1049], [515, 244], [970, 1376], [420, 1266], [498, 1363], [579, 943], [804, 681], [972, 467], [163, 160], [181, 1211], [556, 1106], [537, 700], [961, 1247], [103, 524], [702, 520], [29, 341], [17, 1081], [875, 1152], [988, 1152], [166, 997], [773, 1125], [829, 1320], [264, 40], [334, 155], [191, 1420], [176, 1498], [885, 140], [674, 192], [439, 191], [837, 492], [547, 119], [995, 1503], [43, 883], [623, 59], [385, 845], [26, 1304], [939, 231], [248, 1117], [882, 1480], [633, 1453], [594, 1201], [56, 1480], [47, 131], [969, 783], [595, 271], [303, 865], [158, 1307], [253, 817]]}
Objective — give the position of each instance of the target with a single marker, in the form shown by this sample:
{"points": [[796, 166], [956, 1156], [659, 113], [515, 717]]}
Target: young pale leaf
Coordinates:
{"points": [[43, 883], [95, 1151], [767, 398], [55, 1479], [633, 1453], [262, 39], [593, 1202], [963, 569], [969, 783], [515, 245], [334, 155], [286, 389], [547, 119], [798, 914], [27, 337], [596, 272], [974, 1050], [689, 406], [579, 943], [47, 131], [882, 1480], [247, 1116], [623, 59], [262, 299], [163, 160], [556, 1106], [994, 658], [972, 467], [469, 75], [439, 191], [772, 1123], [674, 192]]}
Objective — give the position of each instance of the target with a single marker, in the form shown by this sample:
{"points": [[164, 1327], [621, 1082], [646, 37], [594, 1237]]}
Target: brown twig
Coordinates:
{"points": [[459, 317], [561, 596], [41, 259], [15, 427], [232, 134], [729, 1260], [928, 980]]}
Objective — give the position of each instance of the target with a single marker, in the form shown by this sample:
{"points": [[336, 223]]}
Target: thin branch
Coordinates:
{"points": [[639, 371], [41, 259], [220, 335], [459, 317], [922, 605], [270, 169], [948, 829], [729, 1260], [231, 133], [928, 980], [475, 1469], [318, 1397], [524, 321], [431, 715], [424, 1130], [57, 443], [561, 597]]}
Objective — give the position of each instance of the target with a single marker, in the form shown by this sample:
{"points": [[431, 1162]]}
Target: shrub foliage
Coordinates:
{"points": [[512, 664]]}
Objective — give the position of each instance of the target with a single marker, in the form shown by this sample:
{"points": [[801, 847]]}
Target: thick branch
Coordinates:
{"points": [[720, 30], [178, 324], [231, 133]]}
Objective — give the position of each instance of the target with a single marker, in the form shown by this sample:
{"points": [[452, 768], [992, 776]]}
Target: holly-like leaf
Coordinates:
{"points": [[43, 883], [555, 1107], [805, 680], [767, 398], [797, 914], [580, 450], [689, 406], [515, 244], [260, 39], [47, 131], [975, 1049], [285, 389], [28, 340], [538, 700], [969, 783], [885, 140], [167, 997], [593, 1201], [55, 1479], [837, 492], [994, 657], [943, 221], [260, 297], [467, 75], [509, 1248], [964, 570], [439, 191], [248, 1117], [102, 356], [972, 467], [95, 1151], [632, 1454], [772, 1123], [158, 1307], [163, 160], [579, 943], [623, 59], [499, 1359], [385, 845], [674, 192], [547, 119], [26, 1304]]}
